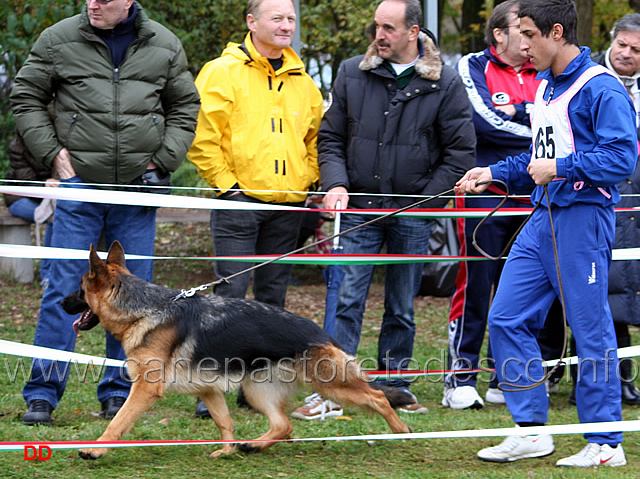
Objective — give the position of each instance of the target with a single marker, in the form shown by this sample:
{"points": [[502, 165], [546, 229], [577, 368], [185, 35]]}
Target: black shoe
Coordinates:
{"points": [[630, 394], [201, 409], [38, 412], [111, 407]]}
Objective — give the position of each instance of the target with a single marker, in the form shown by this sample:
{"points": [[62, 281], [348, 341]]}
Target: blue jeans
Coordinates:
{"points": [[78, 225], [24, 208], [259, 232], [402, 235]]}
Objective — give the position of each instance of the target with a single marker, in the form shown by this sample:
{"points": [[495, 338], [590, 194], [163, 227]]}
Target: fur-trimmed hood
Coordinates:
{"points": [[428, 66]]}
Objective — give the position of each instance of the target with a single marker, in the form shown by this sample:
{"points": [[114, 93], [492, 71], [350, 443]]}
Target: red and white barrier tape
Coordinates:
{"points": [[599, 427]]}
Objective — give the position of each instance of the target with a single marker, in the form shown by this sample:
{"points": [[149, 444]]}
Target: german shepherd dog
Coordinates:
{"points": [[206, 345]]}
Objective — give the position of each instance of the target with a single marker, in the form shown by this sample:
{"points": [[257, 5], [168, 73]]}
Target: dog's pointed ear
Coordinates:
{"points": [[116, 254], [96, 265]]}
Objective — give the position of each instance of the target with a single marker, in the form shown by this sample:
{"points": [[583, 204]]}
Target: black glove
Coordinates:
{"points": [[155, 177]]}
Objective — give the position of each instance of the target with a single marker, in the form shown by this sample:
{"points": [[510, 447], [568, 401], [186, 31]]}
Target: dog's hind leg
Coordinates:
{"points": [[270, 399], [141, 397], [359, 393], [346, 385], [217, 406]]}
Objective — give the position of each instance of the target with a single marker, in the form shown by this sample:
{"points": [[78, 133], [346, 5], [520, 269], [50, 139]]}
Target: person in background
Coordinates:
{"points": [[398, 125], [256, 143], [501, 84], [125, 109], [23, 166], [583, 143]]}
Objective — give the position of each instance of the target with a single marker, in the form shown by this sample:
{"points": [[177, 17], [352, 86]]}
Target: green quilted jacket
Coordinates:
{"points": [[112, 121]]}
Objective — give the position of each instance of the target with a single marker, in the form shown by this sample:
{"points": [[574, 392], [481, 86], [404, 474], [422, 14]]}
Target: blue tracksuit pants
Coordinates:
{"points": [[527, 288]]}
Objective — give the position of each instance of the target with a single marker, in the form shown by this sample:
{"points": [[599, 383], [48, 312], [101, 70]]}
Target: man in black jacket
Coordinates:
{"points": [[398, 128]]}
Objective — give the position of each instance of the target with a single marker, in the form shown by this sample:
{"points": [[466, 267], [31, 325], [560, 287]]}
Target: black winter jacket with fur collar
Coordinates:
{"points": [[376, 138]]}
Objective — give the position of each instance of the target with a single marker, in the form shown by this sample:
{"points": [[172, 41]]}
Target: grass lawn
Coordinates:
{"points": [[172, 418]]}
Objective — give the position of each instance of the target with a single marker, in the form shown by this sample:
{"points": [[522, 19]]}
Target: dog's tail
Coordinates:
{"points": [[397, 397]]}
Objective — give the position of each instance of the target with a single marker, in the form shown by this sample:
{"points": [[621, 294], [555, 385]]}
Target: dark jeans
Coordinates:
{"points": [[401, 235], [77, 225], [254, 232]]}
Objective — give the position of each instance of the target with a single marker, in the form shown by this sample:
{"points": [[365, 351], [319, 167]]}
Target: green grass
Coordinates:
{"points": [[172, 418]]}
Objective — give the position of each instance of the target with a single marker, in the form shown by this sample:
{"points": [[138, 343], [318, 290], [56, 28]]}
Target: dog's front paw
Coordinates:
{"points": [[227, 449], [92, 454]]}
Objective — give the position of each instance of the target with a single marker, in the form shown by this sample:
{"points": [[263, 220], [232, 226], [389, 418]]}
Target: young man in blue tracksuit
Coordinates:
{"points": [[584, 142], [501, 84]]}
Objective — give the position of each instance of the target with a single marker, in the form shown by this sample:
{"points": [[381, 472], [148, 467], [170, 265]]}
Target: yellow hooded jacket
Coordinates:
{"points": [[257, 127]]}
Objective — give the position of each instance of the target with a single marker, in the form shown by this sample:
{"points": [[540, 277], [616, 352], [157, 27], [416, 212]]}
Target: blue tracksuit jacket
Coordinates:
{"points": [[604, 152]]}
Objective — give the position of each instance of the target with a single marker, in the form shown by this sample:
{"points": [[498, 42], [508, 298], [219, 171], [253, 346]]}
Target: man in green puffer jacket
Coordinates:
{"points": [[125, 110]]}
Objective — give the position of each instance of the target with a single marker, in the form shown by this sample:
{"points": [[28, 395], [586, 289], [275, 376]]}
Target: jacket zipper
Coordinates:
{"points": [[116, 81], [550, 96]]}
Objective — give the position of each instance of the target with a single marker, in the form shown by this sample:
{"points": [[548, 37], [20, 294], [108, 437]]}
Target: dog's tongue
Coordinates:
{"points": [[80, 320]]}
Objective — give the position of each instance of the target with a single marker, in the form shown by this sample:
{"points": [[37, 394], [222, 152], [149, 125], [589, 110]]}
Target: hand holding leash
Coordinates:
{"points": [[475, 181]]}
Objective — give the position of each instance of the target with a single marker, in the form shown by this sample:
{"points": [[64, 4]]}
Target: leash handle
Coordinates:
{"points": [[491, 213]]}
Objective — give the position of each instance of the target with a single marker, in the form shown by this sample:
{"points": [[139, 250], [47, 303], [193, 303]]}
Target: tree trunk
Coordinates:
{"points": [[585, 21], [473, 27]]}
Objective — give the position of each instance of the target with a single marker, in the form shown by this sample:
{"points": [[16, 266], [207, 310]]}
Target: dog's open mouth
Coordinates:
{"points": [[86, 321]]}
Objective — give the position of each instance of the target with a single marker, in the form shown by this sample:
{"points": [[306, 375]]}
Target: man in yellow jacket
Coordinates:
{"points": [[256, 142]]}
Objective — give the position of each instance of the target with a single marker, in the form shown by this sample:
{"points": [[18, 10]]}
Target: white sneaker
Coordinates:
{"points": [[317, 408], [462, 397], [594, 455], [518, 447], [552, 387], [495, 396]]}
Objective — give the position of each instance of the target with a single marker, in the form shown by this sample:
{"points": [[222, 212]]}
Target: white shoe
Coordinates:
{"points": [[518, 447], [594, 455], [495, 396], [462, 397], [317, 408], [552, 387]]}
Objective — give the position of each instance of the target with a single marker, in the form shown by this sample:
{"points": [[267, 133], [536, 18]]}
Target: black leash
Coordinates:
{"points": [[515, 387], [190, 292], [519, 387]]}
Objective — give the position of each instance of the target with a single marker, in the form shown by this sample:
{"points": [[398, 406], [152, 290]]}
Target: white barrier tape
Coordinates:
{"points": [[592, 428], [628, 352], [195, 202], [44, 252], [624, 254], [47, 252], [31, 351], [600, 427], [139, 199]]}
